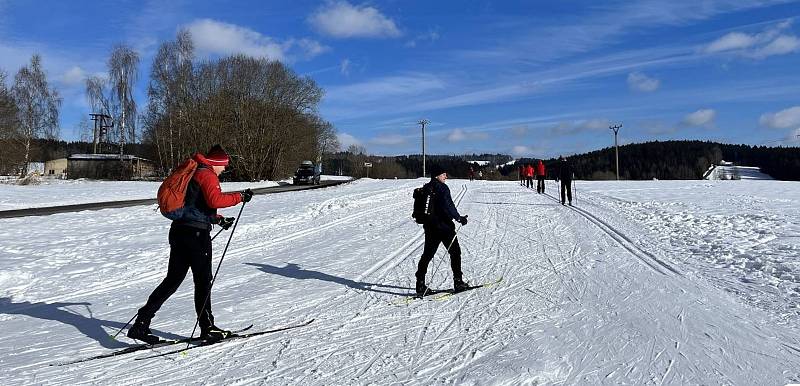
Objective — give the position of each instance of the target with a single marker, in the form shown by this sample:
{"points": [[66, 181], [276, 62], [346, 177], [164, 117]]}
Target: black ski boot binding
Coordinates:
{"points": [[214, 333], [141, 331]]}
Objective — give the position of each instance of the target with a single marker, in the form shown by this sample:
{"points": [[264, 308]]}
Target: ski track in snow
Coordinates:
{"points": [[631, 286]]}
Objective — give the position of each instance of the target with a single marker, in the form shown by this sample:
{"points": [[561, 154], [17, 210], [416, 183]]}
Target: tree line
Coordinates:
{"points": [[676, 160], [261, 111]]}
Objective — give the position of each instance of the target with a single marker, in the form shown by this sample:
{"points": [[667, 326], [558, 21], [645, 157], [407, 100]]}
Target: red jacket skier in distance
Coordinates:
{"points": [[529, 171], [207, 178], [540, 168]]}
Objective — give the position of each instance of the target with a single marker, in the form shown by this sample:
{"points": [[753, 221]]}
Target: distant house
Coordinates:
{"points": [[56, 167], [109, 167], [480, 163]]}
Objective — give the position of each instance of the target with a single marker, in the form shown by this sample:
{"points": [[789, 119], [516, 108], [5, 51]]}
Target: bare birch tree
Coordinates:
{"points": [[123, 67], [37, 107]]}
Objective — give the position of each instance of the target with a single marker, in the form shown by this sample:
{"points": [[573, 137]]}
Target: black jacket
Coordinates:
{"points": [[564, 171], [443, 209]]}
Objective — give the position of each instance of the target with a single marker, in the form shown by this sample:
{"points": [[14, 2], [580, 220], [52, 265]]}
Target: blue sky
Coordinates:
{"points": [[526, 78]]}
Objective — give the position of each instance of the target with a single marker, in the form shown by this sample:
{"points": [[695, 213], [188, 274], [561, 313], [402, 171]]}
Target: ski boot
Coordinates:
{"points": [[141, 331], [460, 286], [422, 289], [213, 333]]}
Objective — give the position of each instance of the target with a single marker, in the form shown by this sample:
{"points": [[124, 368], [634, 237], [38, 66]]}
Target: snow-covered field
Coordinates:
{"points": [[55, 192], [657, 282]]}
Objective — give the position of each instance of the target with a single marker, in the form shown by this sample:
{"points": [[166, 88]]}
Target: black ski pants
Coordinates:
{"points": [[529, 182], [189, 248], [434, 236], [566, 188], [540, 184]]}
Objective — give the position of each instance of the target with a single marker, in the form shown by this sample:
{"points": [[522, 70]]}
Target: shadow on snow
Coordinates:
{"points": [[60, 312], [294, 271]]}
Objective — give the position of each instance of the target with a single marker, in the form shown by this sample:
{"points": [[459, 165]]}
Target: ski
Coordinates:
{"points": [[140, 347], [206, 343], [449, 293], [442, 294]]}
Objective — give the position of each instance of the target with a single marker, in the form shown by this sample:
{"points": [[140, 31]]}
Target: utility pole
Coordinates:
{"points": [[423, 122], [100, 130], [616, 145]]}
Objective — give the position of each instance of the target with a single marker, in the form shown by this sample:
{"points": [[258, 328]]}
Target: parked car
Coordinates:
{"points": [[307, 173]]}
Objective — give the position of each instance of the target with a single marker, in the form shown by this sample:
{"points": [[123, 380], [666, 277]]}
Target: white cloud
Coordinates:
{"points": [[595, 124], [73, 76], [310, 48], [784, 119], [731, 41], [461, 135], [794, 137], [431, 36], [457, 135], [568, 127], [782, 45], [521, 150], [771, 41], [345, 140], [638, 81], [387, 87], [214, 37], [344, 67], [343, 20], [702, 117], [519, 131], [389, 140]]}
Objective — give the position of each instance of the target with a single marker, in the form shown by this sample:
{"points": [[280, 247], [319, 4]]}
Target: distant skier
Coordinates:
{"points": [[440, 229], [521, 172], [471, 174], [190, 246], [540, 175], [529, 172], [565, 175]]}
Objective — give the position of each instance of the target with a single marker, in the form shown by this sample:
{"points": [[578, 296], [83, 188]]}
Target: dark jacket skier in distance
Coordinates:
{"points": [[565, 175], [441, 230], [190, 246]]}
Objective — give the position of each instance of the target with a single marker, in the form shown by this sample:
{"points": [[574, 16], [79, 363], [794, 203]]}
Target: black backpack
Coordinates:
{"points": [[422, 204]]}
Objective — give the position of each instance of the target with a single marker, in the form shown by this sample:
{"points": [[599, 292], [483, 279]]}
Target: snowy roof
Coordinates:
{"points": [[480, 163], [126, 157]]}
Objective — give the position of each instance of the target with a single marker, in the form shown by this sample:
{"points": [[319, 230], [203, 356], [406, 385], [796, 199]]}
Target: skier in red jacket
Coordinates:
{"points": [[529, 176], [190, 246], [540, 175]]}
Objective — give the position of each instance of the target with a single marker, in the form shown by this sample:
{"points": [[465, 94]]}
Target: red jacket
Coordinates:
{"points": [[540, 169], [204, 197], [529, 171], [209, 185]]}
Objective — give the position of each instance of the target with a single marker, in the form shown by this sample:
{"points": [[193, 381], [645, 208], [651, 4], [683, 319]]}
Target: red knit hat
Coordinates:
{"points": [[217, 156]]}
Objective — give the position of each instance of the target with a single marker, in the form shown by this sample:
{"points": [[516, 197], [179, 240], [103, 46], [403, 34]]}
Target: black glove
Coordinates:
{"points": [[226, 222], [247, 195], [463, 220]]}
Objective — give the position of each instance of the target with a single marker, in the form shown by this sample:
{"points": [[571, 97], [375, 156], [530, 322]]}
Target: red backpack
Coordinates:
{"points": [[172, 192]]}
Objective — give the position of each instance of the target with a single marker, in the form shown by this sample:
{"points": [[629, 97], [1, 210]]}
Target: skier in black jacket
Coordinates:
{"points": [[565, 175], [440, 229]]}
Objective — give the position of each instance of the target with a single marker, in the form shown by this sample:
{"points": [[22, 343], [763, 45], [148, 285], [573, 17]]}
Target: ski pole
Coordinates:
{"points": [[575, 191], [214, 278], [137, 314]]}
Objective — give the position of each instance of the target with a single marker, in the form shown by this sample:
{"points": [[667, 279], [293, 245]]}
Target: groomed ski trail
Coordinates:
{"points": [[576, 305]]}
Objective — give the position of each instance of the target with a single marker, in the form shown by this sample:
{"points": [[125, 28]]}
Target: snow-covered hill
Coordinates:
{"points": [[658, 282]]}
